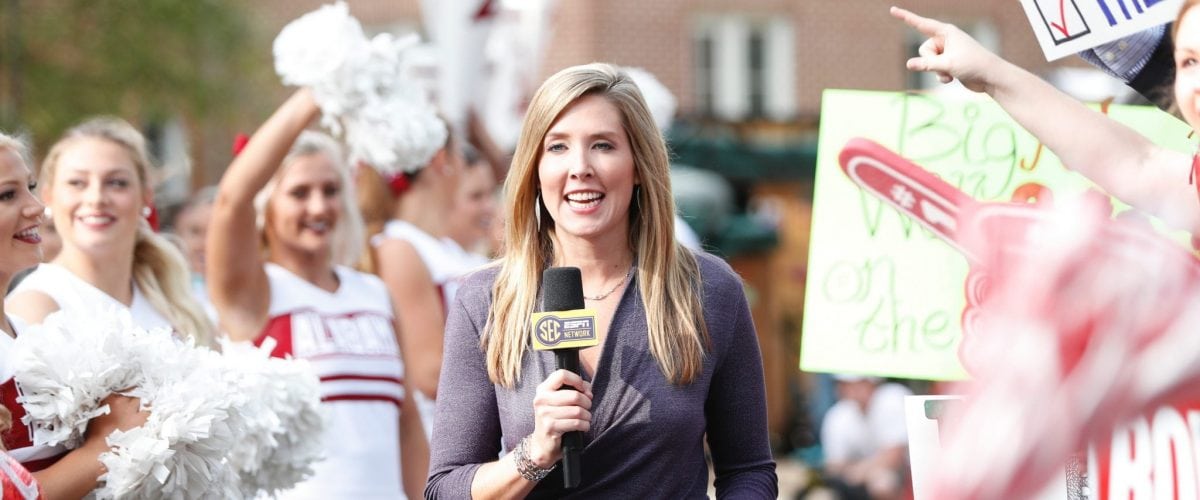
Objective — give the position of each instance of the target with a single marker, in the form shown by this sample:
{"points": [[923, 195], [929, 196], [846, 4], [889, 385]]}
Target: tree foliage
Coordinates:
{"points": [[144, 60]]}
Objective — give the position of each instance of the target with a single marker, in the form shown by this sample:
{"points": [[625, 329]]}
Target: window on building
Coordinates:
{"points": [[704, 71], [758, 77], [745, 67]]}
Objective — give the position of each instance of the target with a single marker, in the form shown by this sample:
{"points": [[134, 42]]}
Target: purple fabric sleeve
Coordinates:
{"points": [[466, 425], [737, 408]]}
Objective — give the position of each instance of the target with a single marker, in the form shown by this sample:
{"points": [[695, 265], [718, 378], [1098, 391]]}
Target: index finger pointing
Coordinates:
{"points": [[928, 27]]}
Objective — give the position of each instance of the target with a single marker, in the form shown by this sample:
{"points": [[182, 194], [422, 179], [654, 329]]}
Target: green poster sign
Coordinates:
{"points": [[885, 296]]}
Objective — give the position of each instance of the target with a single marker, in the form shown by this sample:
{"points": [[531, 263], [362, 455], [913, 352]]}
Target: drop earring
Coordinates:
{"points": [[146, 212], [537, 210]]}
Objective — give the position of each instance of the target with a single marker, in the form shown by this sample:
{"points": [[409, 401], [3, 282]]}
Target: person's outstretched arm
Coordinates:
{"points": [[237, 283], [1117, 158]]}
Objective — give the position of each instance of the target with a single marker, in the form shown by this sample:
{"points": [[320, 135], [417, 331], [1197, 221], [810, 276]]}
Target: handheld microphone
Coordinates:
{"points": [[564, 327]]}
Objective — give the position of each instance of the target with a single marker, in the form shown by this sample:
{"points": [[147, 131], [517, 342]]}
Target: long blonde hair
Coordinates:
{"points": [[377, 205], [18, 145], [159, 269], [668, 276]]}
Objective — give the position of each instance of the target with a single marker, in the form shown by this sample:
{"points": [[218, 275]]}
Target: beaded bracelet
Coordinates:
{"points": [[528, 470]]}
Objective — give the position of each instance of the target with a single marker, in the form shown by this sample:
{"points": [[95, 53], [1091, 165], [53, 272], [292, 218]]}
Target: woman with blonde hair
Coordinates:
{"points": [[678, 359], [59, 472], [96, 182], [282, 229], [407, 215]]}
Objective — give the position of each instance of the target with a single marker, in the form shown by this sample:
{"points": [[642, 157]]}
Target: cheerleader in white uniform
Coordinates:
{"points": [[59, 472], [282, 221], [95, 182], [407, 216]]}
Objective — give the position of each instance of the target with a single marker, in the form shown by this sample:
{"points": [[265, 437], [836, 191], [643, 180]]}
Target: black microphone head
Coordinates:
{"points": [[562, 289]]}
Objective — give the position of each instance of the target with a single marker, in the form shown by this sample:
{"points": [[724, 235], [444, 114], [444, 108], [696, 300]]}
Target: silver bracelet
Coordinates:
{"points": [[528, 470]]}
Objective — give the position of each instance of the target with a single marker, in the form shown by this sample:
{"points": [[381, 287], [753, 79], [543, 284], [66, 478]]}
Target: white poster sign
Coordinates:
{"points": [[1065, 27]]}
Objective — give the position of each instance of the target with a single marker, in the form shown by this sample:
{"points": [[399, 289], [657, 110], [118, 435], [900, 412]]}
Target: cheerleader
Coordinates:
{"points": [[282, 222], [60, 473], [97, 189]]}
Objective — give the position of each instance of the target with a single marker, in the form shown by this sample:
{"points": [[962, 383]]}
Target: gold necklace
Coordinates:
{"points": [[613, 289]]}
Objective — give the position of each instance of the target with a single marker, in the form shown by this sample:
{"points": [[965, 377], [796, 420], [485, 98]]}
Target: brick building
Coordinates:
{"points": [[721, 57]]}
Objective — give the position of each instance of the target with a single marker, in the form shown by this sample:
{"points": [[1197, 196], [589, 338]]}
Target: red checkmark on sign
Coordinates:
{"points": [[486, 11], [1062, 16]]}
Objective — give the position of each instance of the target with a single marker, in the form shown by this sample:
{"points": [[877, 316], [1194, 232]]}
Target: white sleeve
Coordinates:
{"points": [[839, 431], [887, 415]]}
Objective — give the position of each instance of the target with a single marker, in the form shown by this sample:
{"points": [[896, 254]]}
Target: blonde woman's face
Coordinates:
{"points": [[96, 197], [587, 172], [306, 205], [20, 215]]}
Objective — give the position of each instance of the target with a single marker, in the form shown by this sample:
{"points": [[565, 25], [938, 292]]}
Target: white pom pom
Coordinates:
{"points": [[397, 135], [219, 427], [659, 98], [65, 366], [361, 86], [283, 418], [315, 47], [181, 450]]}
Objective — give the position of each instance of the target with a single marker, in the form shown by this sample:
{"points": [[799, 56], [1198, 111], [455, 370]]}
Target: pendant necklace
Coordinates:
{"points": [[613, 289]]}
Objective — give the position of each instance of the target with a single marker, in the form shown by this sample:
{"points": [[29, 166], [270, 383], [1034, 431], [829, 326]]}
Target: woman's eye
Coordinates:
{"points": [[8, 195], [557, 147], [77, 183], [118, 183], [606, 146]]}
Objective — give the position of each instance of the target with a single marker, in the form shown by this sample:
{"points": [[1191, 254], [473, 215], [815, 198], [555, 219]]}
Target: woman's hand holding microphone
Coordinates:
{"points": [[562, 403]]}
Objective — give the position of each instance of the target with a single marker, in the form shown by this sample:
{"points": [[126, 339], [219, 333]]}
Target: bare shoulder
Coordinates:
{"points": [[399, 263], [395, 250], [31, 306]]}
